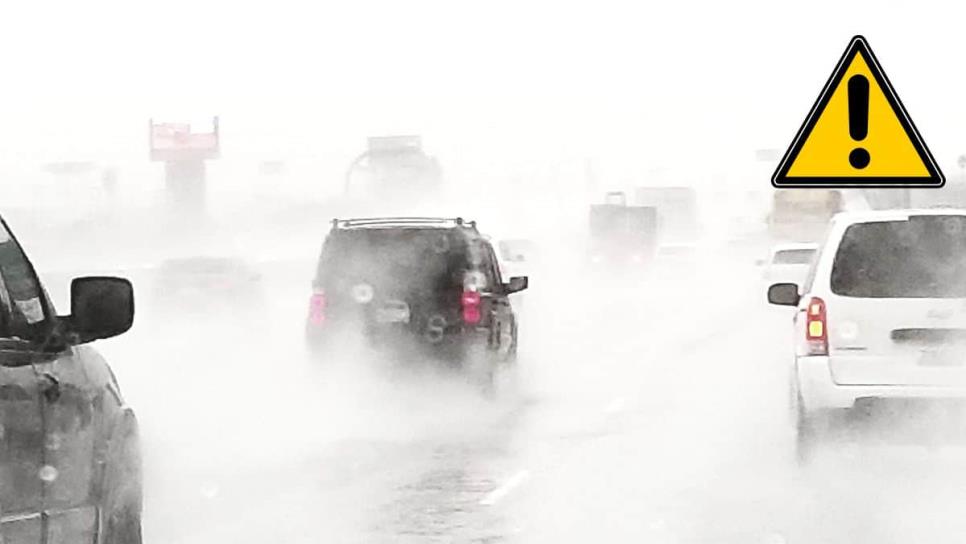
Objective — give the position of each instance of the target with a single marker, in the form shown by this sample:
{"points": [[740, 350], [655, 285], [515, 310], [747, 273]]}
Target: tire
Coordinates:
{"points": [[793, 403], [488, 384], [805, 439], [511, 357], [811, 433], [482, 368], [123, 526], [315, 343], [122, 509]]}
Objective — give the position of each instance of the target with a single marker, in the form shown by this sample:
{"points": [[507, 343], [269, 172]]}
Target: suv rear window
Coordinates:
{"points": [[427, 259], [923, 257], [793, 256]]}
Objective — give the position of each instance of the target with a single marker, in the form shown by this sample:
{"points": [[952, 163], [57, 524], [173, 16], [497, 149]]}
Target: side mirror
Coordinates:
{"points": [[101, 307], [783, 294], [516, 284]]}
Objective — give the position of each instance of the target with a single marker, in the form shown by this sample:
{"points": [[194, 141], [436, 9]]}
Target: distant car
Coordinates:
{"points": [[621, 236], [803, 215], [881, 320], [677, 250], [517, 257], [788, 263], [70, 461], [677, 214], [208, 283], [414, 286]]}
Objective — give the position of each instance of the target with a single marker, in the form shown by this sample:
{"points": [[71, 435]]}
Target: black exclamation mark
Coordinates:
{"points": [[859, 119]]}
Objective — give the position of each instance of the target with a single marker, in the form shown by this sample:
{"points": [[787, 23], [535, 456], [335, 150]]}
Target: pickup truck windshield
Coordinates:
{"points": [[21, 297]]}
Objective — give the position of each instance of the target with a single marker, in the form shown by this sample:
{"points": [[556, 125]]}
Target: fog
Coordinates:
{"points": [[665, 86], [647, 403]]}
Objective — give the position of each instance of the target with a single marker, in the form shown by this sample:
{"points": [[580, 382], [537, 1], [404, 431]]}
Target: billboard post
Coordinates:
{"points": [[183, 149]]}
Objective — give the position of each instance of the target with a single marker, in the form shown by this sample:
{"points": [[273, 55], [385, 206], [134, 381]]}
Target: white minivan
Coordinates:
{"points": [[881, 316]]}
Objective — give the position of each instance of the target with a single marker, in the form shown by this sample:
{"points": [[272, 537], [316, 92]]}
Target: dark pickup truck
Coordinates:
{"points": [[69, 452], [622, 235]]}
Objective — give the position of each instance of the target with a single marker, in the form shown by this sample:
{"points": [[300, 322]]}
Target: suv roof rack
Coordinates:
{"points": [[402, 222]]}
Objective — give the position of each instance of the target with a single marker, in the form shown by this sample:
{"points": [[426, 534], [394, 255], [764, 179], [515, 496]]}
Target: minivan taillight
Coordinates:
{"points": [[816, 327], [317, 308], [470, 302]]}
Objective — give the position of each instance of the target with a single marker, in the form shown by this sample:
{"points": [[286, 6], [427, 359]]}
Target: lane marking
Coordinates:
{"points": [[497, 494]]}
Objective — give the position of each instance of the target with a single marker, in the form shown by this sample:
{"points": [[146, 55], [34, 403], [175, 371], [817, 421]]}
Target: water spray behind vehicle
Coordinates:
{"points": [[394, 168]]}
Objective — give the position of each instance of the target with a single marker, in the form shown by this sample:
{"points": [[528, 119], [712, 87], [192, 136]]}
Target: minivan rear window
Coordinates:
{"points": [[922, 257], [793, 256]]}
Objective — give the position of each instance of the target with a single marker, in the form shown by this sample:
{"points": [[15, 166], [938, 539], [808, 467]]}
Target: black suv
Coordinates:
{"points": [[69, 455], [423, 286]]}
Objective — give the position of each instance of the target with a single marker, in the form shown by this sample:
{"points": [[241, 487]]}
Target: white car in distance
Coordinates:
{"points": [[788, 263]]}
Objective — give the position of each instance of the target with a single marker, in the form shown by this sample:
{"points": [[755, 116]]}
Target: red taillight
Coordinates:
{"points": [[470, 301], [816, 327], [317, 308]]}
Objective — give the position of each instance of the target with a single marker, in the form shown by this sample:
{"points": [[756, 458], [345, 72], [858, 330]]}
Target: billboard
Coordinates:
{"points": [[184, 141]]}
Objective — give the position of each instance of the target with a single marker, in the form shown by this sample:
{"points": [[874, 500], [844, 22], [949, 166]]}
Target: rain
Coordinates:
{"points": [[500, 272]]}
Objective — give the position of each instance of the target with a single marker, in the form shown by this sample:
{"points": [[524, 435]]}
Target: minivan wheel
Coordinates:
{"points": [[809, 434]]}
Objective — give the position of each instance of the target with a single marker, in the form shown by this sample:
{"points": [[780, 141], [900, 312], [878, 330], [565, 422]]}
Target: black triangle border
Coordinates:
{"points": [[858, 45]]}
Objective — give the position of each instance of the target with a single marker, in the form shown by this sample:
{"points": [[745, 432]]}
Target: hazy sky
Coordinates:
{"points": [[696, 86]]}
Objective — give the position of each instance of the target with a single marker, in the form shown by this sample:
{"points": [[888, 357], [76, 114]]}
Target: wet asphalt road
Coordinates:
{"points": [[651, 411]]}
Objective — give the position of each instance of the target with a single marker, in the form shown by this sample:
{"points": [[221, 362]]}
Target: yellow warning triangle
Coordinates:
{"points": [[858, 134]]}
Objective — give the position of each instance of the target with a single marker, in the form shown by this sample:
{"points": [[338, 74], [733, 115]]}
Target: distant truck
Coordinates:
{"points": [[393, 166], [622, 234], [677, 213], [802, 215]]}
